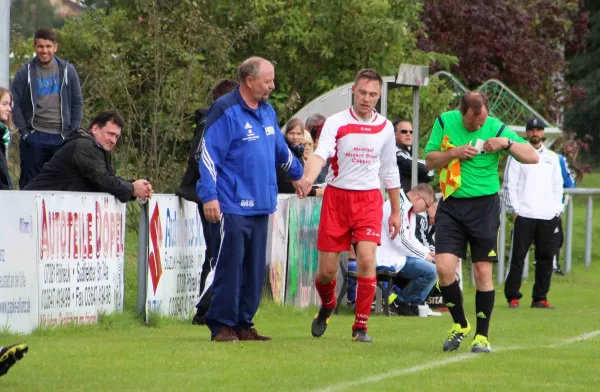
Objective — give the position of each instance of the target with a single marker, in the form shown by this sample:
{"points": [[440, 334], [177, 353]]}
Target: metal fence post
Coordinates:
{"points": [[569, 236], [143, 230], [501, 243], [415, 145], [588, 233]]}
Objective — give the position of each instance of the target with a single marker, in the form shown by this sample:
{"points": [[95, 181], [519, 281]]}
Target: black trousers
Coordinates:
{"points": [[559, 237], [525, 232]]}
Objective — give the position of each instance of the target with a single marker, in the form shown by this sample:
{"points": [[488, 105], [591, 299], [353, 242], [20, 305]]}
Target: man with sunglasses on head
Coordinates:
{"points": [[403, 131], [406, 255]]}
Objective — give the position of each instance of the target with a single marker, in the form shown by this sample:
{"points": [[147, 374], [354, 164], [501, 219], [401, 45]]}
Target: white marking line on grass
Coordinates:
{"points": [[450, 360]]}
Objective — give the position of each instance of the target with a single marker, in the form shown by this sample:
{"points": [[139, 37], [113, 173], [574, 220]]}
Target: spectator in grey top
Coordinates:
{"points": [[48, 105]]}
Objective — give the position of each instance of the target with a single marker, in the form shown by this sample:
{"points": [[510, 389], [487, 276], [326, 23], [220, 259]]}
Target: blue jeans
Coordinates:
{"points": [[36, 148], [421, 275]]}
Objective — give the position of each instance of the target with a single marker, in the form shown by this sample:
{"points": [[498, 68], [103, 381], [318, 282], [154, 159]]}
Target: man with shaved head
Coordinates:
{"points": [[465, 145], [241, 146]]}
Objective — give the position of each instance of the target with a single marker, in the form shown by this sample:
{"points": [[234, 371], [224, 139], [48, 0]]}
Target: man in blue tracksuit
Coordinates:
{"points": [[238, 188]]}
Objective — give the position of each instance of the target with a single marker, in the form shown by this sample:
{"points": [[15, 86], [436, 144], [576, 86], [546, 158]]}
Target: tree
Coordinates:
{"points": [[520, 43], [27, 16], [318, 45], [583, 116], [148, 61], [154, 61]]}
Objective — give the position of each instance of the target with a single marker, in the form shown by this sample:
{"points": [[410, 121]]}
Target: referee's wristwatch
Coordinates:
{"points": [[509, 145]]}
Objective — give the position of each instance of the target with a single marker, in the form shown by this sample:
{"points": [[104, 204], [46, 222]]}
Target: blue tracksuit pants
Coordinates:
{"points": [[239, 246]]}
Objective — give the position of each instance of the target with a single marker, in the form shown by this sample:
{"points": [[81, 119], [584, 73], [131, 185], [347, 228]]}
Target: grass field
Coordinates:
{"points": [[534, 349]]}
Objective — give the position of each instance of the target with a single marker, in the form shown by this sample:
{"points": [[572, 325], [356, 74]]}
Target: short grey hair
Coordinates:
{"points": [[313, 120], [250, 67]]}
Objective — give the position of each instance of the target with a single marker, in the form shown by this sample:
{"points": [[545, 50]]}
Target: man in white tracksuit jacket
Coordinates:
{"points": [[406, 255], [533, 194]]}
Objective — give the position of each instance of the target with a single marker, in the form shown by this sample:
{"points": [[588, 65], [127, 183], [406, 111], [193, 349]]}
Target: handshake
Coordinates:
{"points": [[302, 187]]}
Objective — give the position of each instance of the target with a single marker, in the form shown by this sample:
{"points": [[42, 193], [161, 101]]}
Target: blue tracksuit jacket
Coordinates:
{"points": [[240, 149]]}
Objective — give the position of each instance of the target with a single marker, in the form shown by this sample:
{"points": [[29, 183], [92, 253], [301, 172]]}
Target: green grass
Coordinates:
{"points": [[531, 352], [119, 354]]}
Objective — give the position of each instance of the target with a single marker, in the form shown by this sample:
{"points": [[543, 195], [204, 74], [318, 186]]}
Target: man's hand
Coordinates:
{"points": [[430, 257], [299, 187], [302, 186], [464, 152], [394, 224], [515, 216], [494, 144], [212, 211], [319, 192], [142, 189]]}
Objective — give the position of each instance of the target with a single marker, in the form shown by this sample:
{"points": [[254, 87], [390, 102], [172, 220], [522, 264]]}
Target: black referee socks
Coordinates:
{"points": [[484, 304], [453, 300]]}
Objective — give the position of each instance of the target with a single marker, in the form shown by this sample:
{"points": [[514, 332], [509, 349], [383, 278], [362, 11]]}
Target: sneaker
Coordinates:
{"points": [[480, 345], [455, 337], [404, 309], [225, 334], [360, 335], [514, 303], [252, 334], [10, 355], [319, 323], [560, 272], [543, 304]]}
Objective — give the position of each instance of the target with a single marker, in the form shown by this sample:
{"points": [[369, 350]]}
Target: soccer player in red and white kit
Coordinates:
{"points": [[360, 145]]}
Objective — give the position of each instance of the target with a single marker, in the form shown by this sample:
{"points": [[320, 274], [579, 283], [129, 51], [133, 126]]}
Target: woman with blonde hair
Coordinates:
{"points": [[294, 137], [6, 125]]}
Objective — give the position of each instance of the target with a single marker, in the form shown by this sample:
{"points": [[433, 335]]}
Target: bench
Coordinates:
{"points": [[383, 294]]}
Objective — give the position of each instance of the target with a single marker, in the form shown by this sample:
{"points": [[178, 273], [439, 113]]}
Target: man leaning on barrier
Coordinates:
{"points": [[83, 163]]}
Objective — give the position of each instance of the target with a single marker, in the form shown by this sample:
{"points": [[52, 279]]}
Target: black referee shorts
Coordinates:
{"points": [[474, 221]]}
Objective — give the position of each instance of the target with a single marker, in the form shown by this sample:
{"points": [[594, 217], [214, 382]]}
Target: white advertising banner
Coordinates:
{"points": [[277, 247], [176, 249], [18, 262], [80, 256]]}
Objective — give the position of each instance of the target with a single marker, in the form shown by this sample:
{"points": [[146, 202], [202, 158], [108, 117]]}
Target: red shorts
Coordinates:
{"points": [[349, 215]]}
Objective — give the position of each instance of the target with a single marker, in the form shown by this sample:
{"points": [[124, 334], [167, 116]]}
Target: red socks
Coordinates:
{"points": [[365, 292], [327, 293]]}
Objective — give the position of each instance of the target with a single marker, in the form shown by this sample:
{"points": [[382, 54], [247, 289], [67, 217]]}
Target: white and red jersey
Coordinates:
{"points": [[359, 151]]}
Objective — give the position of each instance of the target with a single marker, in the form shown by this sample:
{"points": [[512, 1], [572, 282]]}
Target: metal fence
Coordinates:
{"points": [[568, 244]]}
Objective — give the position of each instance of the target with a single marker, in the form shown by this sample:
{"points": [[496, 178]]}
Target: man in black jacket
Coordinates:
{"points": [[187, 190], [403, 130], [83, 164]]}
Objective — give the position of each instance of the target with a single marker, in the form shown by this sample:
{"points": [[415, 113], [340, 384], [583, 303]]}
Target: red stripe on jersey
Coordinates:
{"points": [[351, 110], [352, 114], [352, 129], [359, 128], [334, 163]]}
